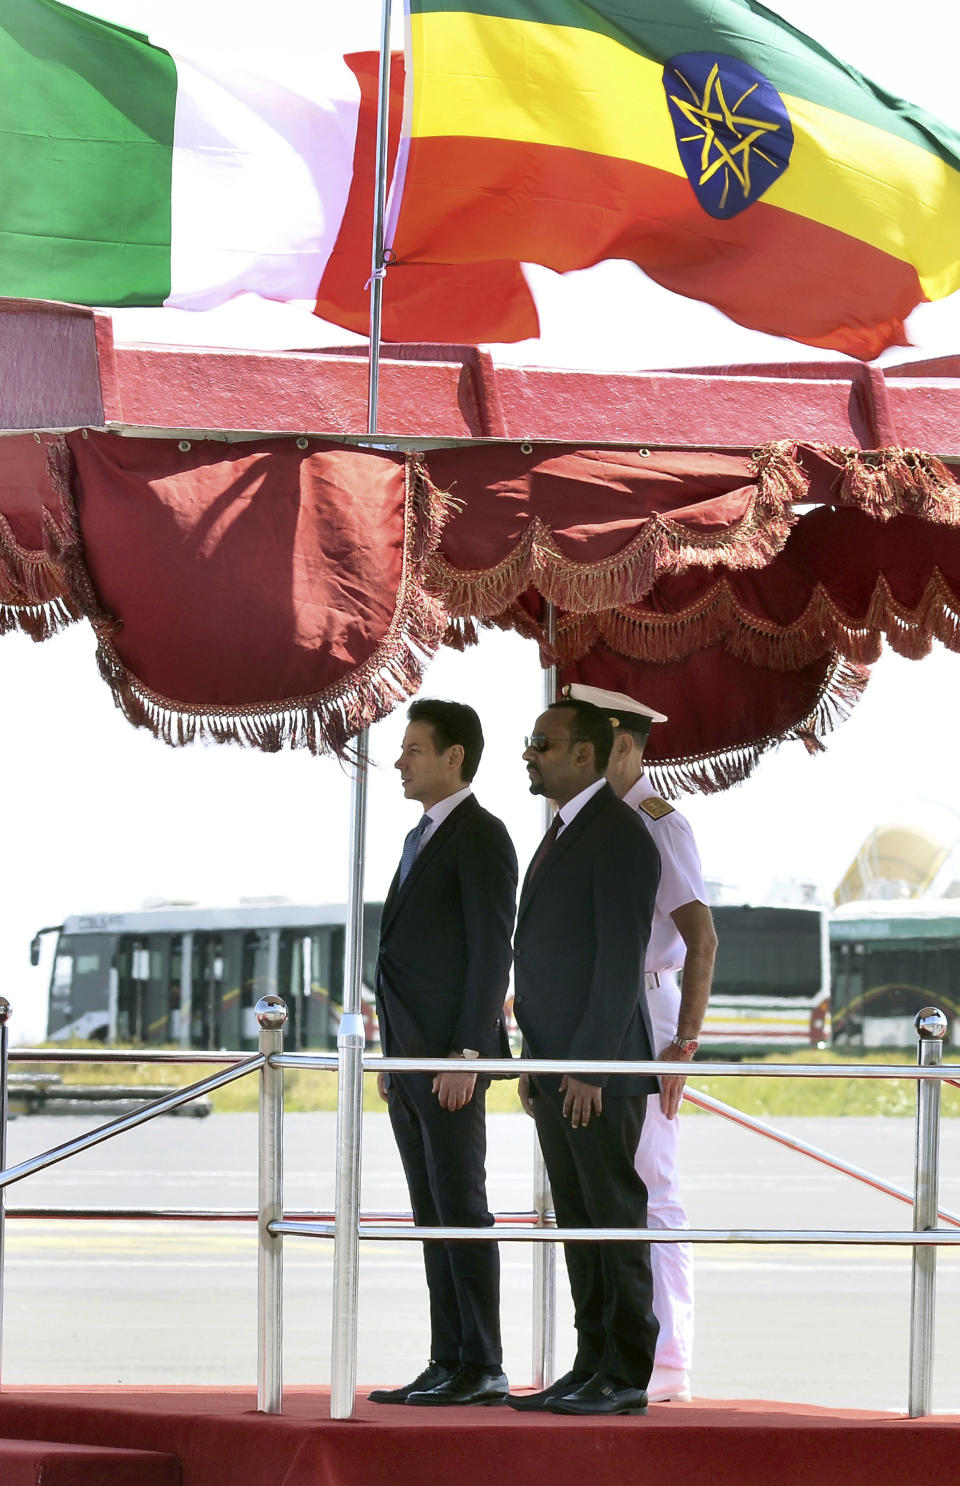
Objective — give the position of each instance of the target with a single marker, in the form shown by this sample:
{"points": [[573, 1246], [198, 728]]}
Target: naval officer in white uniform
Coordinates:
{"points": [[682, 937]]}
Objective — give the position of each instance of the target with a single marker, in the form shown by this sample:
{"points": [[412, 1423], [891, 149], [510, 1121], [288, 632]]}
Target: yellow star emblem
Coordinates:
{"points": [[728, 137]]}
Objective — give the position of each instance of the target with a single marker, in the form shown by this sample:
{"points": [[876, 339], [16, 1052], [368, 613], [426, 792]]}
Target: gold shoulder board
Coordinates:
{"points": [[655, 807]]}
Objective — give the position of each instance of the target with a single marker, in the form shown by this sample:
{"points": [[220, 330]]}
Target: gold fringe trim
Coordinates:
{"points": [[882, 483], [39, 621], [326, 721], [662, 545], [33, 587], [718, 617], [892, 482], [710, 773]]}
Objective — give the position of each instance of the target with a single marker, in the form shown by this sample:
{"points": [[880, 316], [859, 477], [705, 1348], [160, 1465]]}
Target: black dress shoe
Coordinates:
{"points": [[432, 1374], [529, 1403], [471, 1383], [600, 1395]]}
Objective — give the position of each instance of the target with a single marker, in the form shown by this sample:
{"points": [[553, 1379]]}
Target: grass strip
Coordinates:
{"points": [[773, 1098]]}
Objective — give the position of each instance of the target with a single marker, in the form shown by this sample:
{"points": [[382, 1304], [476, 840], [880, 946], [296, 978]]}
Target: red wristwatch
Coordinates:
{"points": [[686, 1044]]}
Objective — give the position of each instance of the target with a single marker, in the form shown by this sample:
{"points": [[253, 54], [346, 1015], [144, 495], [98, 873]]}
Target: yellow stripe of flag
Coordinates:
{"points": [[491, 78]]}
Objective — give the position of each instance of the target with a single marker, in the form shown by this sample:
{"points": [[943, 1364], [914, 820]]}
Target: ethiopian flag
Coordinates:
{"points": [[710, 142]]}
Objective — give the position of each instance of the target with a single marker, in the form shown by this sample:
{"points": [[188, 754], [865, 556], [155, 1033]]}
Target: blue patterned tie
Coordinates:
{"points": [[411, 846]]}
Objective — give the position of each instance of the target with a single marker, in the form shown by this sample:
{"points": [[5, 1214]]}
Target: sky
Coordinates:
{"points": [[98, 816]]}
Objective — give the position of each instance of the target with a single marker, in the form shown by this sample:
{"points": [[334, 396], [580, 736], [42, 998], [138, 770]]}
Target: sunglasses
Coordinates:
{"points": [[540, 743]]}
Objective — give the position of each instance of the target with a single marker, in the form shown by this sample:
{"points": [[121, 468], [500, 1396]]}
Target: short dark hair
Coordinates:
{"points": [[637, 725], [452, 722], [590, 725]]}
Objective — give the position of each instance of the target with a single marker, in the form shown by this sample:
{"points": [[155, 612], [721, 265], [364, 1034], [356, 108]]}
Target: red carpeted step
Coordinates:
{"points": [[221, 1440], [43, 1463]]}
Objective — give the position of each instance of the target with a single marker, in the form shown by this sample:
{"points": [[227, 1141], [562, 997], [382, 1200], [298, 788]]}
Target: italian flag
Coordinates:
{"points": [[132, 174], [724, 152]]}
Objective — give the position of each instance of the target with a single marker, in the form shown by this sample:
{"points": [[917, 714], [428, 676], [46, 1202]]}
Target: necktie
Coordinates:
{"points": [[545, 846], [411, 846]]}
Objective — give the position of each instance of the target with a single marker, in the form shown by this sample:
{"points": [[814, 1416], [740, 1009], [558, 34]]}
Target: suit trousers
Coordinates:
{"points": [[595, 1185], [444, 1154]]}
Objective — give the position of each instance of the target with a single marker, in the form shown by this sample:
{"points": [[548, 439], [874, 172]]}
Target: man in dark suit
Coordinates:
{"points": [[582, 928], [441, 981]]}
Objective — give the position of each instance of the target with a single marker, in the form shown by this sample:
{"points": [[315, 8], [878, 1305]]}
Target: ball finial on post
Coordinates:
{"points": [[271, 1012], [931, 1023]]}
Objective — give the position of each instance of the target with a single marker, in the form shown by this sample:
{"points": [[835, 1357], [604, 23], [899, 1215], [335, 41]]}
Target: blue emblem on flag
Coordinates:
{"points": [[732, 127]]}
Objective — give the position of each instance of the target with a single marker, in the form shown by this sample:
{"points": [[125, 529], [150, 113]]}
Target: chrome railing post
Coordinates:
{"points": [[544, 1281], [271, 1015], [350, 1045], [931, 1025], [4, 1068], [346, 1218]]}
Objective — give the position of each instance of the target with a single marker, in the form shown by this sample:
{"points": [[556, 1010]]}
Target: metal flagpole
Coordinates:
{"points": [[545, 1254], [5, 1010], [350, 1039], [378, 266]]}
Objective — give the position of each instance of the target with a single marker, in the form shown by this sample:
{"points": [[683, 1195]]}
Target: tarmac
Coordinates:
{"points": [[89, 1301]]}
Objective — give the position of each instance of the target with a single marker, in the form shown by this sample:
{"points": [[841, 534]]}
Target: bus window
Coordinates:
{"points": [[290, 984], [80, 987], [321, 1007], [133, 969], [156, 999], [231, 988], [259, 979], [771, 981], [208, 991]]}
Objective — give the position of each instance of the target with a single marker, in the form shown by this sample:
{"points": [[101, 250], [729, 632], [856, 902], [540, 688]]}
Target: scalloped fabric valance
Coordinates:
{"points": [[285, 592]]}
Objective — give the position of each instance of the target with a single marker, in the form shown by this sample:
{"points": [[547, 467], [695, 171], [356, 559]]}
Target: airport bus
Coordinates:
{"points": [[890, 959], [192, 976], [771, 981]]}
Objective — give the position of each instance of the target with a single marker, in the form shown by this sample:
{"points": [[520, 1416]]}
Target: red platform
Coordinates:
{"points": [[220, 1440], [41, 1463]]}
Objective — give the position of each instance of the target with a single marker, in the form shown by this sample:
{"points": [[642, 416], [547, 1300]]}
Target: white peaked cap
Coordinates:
{"points": [[621, 709]]}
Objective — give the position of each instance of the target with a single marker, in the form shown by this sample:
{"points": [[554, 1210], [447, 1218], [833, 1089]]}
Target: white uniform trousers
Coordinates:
{"points": [[657, 1164]]}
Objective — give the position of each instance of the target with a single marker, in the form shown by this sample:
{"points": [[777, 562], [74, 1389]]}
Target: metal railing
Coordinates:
{"points": [[347, 1225]]}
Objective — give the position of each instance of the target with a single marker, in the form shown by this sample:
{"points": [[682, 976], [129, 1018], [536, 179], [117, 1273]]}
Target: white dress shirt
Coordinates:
{"points": [[572, 808], [438, 813]]}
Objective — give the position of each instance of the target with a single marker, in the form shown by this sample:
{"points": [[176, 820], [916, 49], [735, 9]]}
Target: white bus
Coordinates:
{"points": [[192, 976], [771, 981]]}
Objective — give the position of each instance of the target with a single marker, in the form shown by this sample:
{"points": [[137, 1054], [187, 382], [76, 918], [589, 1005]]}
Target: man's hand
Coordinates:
{"points": [[523, 1090], [672, 1084], [382, 1086], [580, 1101], [454, 1089]]}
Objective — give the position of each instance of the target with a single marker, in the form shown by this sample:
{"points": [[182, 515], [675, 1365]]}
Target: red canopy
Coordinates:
{"points": [[283, 591]]}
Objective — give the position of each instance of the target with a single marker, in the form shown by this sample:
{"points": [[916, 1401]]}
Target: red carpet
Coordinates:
{"points": [[220, 1440]]}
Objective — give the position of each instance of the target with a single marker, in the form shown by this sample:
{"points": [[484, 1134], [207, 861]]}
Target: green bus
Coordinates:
{"points": [[890, 958]]}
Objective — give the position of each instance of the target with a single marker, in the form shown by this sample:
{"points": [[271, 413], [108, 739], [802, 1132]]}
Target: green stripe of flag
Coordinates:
{"points": [[86, 146], [793, 62]]}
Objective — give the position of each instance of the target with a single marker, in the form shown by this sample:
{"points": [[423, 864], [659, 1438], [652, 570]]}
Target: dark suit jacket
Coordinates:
{"points": [[582, 930], [445, 937]]}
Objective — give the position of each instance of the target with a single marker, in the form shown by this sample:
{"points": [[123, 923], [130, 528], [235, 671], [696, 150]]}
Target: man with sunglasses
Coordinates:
{"points": [[682, 937], [582, 927]]}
